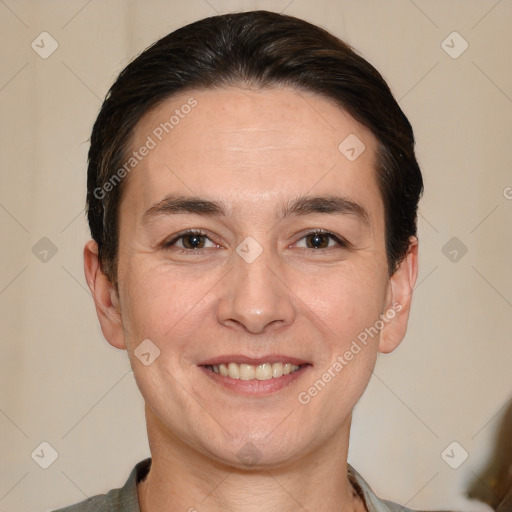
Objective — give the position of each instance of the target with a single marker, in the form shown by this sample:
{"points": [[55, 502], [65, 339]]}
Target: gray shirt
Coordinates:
{"points": [[125, 499]]}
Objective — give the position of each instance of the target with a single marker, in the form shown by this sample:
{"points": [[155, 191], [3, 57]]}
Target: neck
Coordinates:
{"points": [[182, 478]]}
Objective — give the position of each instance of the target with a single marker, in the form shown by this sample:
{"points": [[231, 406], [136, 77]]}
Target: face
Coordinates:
{"points": [[251, 245]]}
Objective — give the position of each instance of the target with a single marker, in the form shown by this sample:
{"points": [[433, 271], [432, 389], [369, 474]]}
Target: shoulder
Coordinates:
{"points": [[109, 502], [372, 502], [124, 499], [394, 507]]}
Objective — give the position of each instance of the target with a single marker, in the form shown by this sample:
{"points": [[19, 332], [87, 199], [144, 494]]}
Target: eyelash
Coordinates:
{"points": [[339, 241]]}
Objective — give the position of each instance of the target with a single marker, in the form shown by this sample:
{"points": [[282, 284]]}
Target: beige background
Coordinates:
{"points": [[450, 380]]}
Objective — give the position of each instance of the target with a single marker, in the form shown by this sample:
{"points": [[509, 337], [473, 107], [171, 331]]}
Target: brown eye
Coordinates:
{"points": [[317, 240], [320, 239], [190, 241], [193, 241]]}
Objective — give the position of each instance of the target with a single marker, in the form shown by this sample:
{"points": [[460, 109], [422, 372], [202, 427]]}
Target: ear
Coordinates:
{"points": [[399, 297], [105, 297]]}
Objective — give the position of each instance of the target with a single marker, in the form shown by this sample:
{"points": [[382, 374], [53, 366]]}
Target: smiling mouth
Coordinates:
{"points": [[264, 371]]}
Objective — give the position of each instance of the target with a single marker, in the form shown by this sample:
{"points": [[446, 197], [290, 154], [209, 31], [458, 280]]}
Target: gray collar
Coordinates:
{"points": [[373, 504]]}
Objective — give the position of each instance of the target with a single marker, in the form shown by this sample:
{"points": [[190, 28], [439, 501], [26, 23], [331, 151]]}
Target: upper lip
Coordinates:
{"points": [[242, 359]]}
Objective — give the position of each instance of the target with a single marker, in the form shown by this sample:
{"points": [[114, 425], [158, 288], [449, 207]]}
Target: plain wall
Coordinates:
{"points": [[449, 381]]}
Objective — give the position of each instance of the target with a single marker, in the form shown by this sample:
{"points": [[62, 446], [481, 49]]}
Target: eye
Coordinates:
{"points": [[320, 239], [190, 240]]}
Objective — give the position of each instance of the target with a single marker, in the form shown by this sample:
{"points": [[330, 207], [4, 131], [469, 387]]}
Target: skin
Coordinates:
{"points": [[254, 150]]}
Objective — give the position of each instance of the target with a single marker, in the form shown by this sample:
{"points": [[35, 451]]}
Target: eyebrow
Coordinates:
{"points": [[330, 204], [303, 205], [174, 204]]}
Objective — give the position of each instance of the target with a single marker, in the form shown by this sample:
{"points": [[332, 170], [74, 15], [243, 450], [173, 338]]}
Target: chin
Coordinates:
{"points": [[253, 452]]}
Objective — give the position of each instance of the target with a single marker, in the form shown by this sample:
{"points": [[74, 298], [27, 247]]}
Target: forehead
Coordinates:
{"points": [[250, 146]]}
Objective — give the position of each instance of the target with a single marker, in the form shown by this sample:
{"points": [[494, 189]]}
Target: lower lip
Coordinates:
{"points": [[256, 387]]}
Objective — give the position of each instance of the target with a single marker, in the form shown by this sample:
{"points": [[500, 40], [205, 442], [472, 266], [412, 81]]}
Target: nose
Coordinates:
{"points": [[254, 295]]}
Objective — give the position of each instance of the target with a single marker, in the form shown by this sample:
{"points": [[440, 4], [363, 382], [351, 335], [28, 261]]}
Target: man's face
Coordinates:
{"points": [[256, 285]]}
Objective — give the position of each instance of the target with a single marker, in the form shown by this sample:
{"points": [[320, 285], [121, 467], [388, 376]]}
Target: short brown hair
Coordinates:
{"points": [[260, 49]]}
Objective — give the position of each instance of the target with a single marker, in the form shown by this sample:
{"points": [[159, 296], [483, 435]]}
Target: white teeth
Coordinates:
{"points": [[246, 372], [234, 371], [277, 370], [264, 371]]}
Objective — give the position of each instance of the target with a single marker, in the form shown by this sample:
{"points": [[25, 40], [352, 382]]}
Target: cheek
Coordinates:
{"points": [[163, 304], [347, 301]]}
